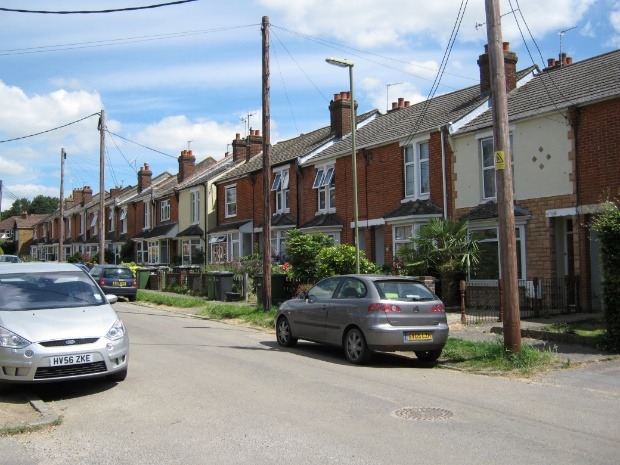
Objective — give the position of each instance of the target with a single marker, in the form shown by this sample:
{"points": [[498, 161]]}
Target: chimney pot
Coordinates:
{"points": [[506, 46], [394, 105], [407, 103], [569, 60], [336, 96], [238, 136], [401, 102], [550, 62]]}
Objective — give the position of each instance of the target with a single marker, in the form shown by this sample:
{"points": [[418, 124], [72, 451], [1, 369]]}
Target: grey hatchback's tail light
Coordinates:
{"points": [[379, 307]]}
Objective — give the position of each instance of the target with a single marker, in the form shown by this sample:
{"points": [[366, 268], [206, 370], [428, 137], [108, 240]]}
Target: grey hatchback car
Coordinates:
{"points": [[57, 325], [366, 313]]}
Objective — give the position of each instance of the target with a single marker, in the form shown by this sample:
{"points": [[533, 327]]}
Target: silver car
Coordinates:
{"points": [[56, 324], [365, 313]]}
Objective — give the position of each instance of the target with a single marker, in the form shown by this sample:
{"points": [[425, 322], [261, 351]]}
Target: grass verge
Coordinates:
{"points": [[490, 357]]}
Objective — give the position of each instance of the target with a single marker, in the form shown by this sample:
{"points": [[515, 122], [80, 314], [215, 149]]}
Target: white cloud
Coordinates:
{"points": [[11, 167]]}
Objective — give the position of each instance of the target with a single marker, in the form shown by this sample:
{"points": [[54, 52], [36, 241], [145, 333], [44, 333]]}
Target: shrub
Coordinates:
{"points": [[301, 252], [607, 226], [341, 260]]}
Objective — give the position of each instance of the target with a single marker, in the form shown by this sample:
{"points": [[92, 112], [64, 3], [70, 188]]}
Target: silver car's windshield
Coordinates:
{"points": [[48, 290], [403, 290]]}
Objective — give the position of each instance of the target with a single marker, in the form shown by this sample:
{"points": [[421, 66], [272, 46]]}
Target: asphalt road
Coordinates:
{"points": [[200, 391]]}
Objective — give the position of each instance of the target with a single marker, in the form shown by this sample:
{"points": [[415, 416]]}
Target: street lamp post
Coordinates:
{"points": [[342, 63]]}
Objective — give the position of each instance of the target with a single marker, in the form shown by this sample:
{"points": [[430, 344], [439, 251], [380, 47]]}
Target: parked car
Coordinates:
{"points": [[82, 267], [57, 325], [116, 279], [9, 259], [366, 313]]}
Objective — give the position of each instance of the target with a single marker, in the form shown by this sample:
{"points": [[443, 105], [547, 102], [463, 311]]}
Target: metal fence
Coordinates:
{"points": [[538, 297]]}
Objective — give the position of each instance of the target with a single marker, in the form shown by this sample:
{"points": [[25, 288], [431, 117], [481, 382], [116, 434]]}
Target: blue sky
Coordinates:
{"points": [[192, 72]]}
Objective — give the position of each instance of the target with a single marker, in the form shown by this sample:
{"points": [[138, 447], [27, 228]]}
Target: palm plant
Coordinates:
{"points": [[442, 247]]}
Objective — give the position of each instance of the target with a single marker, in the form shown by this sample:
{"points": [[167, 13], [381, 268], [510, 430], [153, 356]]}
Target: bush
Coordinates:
{"points": [[302, 251], [341, 260], [607, 226]]}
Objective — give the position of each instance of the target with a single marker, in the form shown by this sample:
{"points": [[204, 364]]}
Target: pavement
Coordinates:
{"points": [[21, 410]]}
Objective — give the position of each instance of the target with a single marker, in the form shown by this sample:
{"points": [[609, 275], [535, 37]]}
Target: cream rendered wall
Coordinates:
{"points": [[542, 167]]}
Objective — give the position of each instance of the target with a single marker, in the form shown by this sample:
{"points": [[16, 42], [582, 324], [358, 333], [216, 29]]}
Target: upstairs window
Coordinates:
{"points": [[123, 220], [195, 207], [231, 201], [324, 184], [165, 210], [487, 152], [111, 219], [417, 179], [147, 215], [281, 191]]}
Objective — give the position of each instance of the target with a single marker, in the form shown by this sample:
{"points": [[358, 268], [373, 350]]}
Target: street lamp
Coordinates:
{"points": [[342, 63]]}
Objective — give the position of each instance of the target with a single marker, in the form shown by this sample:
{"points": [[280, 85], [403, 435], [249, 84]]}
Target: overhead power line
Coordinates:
{"points": [[49, 130], [83, 12]]}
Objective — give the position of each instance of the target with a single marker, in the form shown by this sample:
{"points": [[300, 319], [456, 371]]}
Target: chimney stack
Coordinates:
{"points": [[561, 62], [510, 69], [88, 195], [340, 114], [245, 149], [187, 165], [144, 177], [402, 103]]}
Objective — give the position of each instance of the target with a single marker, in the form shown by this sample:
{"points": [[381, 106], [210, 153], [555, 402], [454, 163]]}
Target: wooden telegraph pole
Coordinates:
{"points": [[266, 170], [503, 178], [61, 213], [101, 188]]}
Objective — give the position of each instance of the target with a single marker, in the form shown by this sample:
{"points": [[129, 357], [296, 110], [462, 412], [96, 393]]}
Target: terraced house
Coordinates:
{"points": [[433, 159]]}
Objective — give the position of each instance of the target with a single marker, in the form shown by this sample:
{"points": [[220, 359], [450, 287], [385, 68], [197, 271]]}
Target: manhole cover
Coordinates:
{"points": [[423, 413]]}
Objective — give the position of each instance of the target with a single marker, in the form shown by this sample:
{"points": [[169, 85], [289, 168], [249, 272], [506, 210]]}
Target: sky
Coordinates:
{"points": [[188, 75]]}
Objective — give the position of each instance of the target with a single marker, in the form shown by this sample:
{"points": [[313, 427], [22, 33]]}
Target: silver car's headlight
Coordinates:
{"points": [[10, 340], [117, 331]]}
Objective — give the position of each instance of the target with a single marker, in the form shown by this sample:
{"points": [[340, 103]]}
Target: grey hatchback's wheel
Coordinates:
{"points": [[355, 347], [283, 333], [428, 355]]}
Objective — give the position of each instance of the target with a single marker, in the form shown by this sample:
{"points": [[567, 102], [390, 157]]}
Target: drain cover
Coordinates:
{"points": [[423, 413]]}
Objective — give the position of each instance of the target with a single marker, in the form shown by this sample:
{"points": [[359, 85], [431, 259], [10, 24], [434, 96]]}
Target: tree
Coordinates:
{"points": [[19, 206], [442, 247], [43, 204], [302, 250], [607, 226]]}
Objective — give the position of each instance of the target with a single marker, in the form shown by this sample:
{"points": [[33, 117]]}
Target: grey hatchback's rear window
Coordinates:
{"points": [[403, 290], [122, 273]]}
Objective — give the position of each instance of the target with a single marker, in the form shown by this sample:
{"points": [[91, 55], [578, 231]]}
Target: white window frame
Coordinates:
{"points": [[123, 220], [111, 218], [153, 252], [188, 249], [93, 222], [487, 166], [147, 215], [165, 210], [416, 159], [82, 223], [278, 244], [194, 206], [230, 203], [520, 246], [280, 187], [326, 189]]}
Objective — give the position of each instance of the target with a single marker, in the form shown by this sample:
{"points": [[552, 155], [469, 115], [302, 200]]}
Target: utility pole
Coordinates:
{"points": [[61, 232], [266, 169], [101, 224], [503, 181]]}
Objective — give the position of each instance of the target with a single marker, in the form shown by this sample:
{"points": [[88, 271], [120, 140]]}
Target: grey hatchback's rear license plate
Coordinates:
{"points": [[418, 336]]}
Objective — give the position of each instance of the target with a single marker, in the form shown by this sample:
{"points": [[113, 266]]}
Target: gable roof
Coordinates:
{"points": [[404, 123], [582, 82], [291, 149]]}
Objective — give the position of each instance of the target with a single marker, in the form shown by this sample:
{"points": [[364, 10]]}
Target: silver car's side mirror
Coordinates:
{"points": [[112, 299]]}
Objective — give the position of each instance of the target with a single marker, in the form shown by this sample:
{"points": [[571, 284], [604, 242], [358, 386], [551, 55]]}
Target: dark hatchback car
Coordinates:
{"points": [[366, 313], [116, 279]]}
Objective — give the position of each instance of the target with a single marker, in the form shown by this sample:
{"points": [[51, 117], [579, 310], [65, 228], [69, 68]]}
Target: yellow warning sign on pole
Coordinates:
{"points": [[500, 161]]}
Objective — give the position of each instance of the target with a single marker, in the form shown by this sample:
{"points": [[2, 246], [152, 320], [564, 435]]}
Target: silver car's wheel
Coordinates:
{"points": [[283, 333], [428, 355], [355, 347]]}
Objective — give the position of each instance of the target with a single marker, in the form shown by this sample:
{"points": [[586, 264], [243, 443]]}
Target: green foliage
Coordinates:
{"points": [[108, 257], [43, 204], [302, 250], [132, 266], [75, 258], [341, 260], [127, 252], [19, 206], [607, 226], [442, 248], [1, 251]]}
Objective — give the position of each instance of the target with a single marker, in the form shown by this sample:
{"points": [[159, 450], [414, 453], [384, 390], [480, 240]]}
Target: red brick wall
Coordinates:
{"points": [[598, 151]]}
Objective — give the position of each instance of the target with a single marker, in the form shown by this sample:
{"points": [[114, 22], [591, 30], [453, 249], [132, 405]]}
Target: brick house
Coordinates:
{"points": [[17, 232], [564, 130], [240, 204]]}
